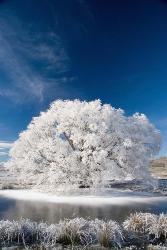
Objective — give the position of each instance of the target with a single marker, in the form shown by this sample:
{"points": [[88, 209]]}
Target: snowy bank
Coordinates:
{"points": [[116, 197]]}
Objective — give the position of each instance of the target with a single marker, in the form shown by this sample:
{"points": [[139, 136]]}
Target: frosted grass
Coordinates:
{"points": [[137, 231]]}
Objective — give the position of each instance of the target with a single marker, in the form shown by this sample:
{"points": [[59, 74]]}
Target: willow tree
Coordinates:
{"points": [[78, 143]]}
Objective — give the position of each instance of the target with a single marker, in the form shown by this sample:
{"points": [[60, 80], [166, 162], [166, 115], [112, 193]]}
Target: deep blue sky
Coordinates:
{"points": [[115, 50]]}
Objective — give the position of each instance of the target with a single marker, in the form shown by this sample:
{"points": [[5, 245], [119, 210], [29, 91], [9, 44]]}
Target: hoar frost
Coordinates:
{"points": [[138, 231], [78, 143]]}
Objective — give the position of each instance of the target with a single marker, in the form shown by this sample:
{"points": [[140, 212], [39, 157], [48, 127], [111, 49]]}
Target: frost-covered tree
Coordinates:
{"points": [[78, 143]]}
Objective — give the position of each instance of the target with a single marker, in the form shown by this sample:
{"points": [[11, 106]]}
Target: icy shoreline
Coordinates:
{"points": [[120, 198]]}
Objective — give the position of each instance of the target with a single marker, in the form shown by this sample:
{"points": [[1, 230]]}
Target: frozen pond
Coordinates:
{"points": [[36, 206]]}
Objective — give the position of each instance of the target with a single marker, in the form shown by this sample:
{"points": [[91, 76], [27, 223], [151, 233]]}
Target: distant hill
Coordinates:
{"points": [[159, 167]]}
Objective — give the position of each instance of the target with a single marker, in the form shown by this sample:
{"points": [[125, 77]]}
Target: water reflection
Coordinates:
{"points": [[51, 212]]}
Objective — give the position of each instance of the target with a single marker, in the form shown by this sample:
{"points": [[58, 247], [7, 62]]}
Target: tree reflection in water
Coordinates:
{"points": [[52, 212]]}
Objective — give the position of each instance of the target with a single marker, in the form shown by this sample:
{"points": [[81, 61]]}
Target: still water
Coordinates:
{"points": [[11, 208]]}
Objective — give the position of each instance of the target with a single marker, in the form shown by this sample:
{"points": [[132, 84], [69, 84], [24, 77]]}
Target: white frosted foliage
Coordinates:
{"points": [[78, 143]]}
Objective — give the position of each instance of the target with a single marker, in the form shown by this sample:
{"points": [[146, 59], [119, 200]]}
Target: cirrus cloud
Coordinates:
{"points": [[32, 62], [5, 144]]}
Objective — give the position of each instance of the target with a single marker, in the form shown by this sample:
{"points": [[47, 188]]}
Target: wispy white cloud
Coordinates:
{"points": [[5, 144], [4, 150], [3, 153], [29, 60]]}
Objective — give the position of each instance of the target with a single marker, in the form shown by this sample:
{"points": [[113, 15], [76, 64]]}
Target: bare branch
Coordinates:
{"points": [[69, 141]]}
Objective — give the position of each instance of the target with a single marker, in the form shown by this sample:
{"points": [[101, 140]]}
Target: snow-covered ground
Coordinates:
{"points": [[116, 197]]}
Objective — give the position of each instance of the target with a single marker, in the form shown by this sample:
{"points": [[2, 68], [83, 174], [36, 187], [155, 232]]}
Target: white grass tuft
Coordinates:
{"points": [[140, 222], [75, 231], [107, 233], [159, 227]]}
